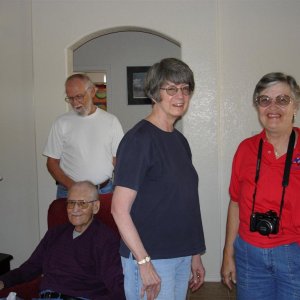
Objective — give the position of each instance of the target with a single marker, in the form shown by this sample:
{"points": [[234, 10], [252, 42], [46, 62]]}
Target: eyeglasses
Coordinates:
{"points": [[78, 98], [173, 90], [82, 204], [281, 100]]}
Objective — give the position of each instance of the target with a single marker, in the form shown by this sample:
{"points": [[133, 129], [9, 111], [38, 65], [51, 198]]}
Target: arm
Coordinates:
{"points": [[114, 160], [30, 269], [228, 271], [117, 137], [122, 201], [57, 173], [198, 273]]}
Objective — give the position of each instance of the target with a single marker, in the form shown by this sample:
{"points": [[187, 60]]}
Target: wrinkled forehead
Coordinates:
{"points": [[79, 193], [168, 82], [75, 85]]}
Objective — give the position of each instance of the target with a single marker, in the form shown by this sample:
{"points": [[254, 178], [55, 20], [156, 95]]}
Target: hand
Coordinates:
{"points": [[228, 271], [1, 285], [198, 273], [151, 281]]}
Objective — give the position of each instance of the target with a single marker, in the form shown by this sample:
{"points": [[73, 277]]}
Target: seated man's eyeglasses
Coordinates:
{"points": [[82, 204]]}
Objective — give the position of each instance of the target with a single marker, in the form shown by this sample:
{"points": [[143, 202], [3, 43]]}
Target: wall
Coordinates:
{"points": [[19, 225], [228, 44], [114, 52]]}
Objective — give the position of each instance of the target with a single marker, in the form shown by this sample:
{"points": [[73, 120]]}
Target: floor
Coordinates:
{"points": [[212, 291]]}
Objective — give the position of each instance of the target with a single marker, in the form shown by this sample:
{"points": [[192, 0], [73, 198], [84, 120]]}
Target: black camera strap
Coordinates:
{"points": [[287, 169], [259, 154]]}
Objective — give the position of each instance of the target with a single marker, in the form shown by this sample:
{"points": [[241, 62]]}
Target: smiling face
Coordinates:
{"points": [[80, 217], [173, 107], [83, 97], [276, 118]]}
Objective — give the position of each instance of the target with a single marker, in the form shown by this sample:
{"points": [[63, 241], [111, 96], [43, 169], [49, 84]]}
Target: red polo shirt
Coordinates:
{"points": [[269, 191]]}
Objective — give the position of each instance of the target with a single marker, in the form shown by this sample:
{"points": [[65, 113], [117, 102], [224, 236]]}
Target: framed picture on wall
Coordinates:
{"points": [[135, 85]]}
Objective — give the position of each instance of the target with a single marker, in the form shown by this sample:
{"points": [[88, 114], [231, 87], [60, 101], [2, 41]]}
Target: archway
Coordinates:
{"points": [[111, 52]]}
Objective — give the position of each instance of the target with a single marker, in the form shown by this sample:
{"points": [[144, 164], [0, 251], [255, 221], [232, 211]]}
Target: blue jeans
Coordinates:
{"points": [[62, 192], [174, 274], [267, 273]]}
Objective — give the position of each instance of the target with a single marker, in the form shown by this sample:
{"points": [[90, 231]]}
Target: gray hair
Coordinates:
{"points": [[277, 77], [168, 69], [88, 186], [83, 77]]}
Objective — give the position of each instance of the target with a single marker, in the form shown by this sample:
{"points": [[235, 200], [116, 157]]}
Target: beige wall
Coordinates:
{"points": [[19, 225], [229, 44]]}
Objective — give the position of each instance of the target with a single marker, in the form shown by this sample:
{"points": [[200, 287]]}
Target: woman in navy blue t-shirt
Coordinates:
{"points": [[155, 202]]}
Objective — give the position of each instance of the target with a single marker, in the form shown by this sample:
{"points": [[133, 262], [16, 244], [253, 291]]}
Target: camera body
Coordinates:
{"points": [[264, 223]]}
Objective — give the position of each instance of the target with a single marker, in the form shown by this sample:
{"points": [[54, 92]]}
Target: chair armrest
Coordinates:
{"points": [[27, 290]]}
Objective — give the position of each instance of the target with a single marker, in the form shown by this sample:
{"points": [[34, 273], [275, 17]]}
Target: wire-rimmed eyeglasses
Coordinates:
{"points": [[78, 98], [173, 90], [82, 204]]}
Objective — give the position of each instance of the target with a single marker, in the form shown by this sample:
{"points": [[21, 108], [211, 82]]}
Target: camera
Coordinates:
{"points": [[265, 223]]}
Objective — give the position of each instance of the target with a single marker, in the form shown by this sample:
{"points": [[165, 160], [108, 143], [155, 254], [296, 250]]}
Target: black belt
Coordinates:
{"points": [[53, 295], [102, 185]]}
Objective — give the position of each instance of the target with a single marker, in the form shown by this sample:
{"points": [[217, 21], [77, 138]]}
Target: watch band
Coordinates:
{"points": [[144, 261]]}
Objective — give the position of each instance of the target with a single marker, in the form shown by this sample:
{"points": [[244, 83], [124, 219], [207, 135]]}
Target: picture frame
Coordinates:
{"points": [[135, 85]]}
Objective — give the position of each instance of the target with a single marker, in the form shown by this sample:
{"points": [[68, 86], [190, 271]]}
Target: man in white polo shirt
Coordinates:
{"points": [[82, 143]]}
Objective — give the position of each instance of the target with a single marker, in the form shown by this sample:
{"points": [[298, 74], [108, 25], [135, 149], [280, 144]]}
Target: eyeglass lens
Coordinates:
{"points": [[78, 98], [81, 204], [173, 90], [281, 100]]}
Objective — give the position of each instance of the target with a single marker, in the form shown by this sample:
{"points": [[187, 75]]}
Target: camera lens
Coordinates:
{"points": [[264, 227]]}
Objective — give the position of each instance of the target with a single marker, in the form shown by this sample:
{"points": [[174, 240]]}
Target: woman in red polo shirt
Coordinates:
{"points": [[262, 247]]}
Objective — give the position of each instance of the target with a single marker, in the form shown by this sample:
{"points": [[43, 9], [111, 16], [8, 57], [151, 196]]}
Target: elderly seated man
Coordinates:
{"points": [[78, 260]]}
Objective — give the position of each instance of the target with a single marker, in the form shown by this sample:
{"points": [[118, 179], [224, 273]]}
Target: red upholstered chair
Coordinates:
{"points": [[57, 214], [26, 290]]}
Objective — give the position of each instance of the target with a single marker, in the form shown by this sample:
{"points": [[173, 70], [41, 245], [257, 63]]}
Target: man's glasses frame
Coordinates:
{"points": [[281, 100], [82, 204], [78, 98], [173, 90]]}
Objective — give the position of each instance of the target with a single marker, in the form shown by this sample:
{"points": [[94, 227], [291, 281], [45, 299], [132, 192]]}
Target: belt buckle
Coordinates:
{"points": [[50, 295], [47, 295], [102, 184]]}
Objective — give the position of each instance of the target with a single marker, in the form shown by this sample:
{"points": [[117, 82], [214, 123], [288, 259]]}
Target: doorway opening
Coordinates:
{"points": [[112, 53]]}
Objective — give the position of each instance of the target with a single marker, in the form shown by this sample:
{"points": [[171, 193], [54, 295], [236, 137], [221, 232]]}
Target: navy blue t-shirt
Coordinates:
{"points": [[166, 212]]}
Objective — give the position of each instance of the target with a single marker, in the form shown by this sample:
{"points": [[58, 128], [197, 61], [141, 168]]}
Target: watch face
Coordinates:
{"points": [[145, 260]]}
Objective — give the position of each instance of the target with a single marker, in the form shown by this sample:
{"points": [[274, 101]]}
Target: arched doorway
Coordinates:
{"points": [[111, 53]]}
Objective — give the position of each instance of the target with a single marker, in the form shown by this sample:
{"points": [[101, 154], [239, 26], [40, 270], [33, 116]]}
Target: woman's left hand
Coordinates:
{"points": [[151, 281], [198, 273]]}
